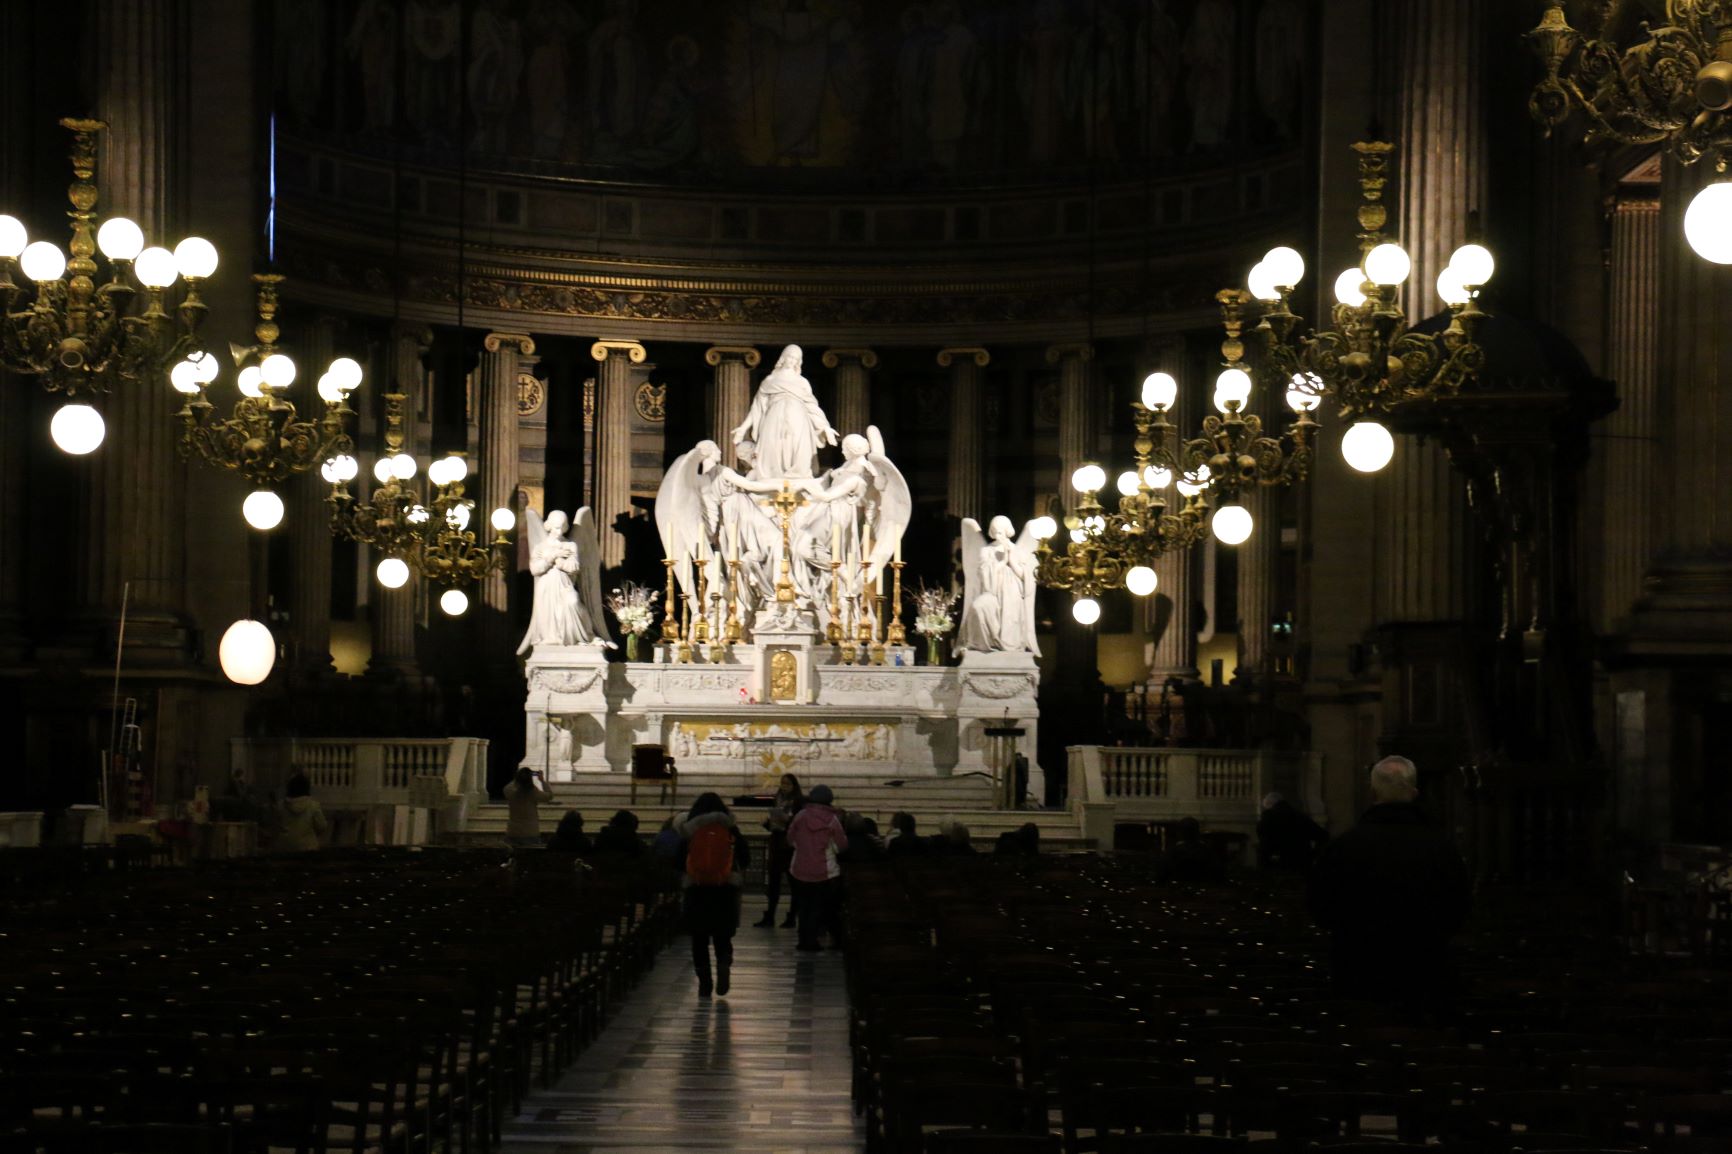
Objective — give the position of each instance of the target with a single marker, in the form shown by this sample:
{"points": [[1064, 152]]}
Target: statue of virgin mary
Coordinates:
{"points": [[785, 423]]}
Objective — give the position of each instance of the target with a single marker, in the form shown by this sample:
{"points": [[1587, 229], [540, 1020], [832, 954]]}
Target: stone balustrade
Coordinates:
{"points": [[1222, 788], [447, 775]]}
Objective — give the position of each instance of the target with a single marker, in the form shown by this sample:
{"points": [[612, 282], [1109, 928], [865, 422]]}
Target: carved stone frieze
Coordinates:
{"points": [[1000, 686], [565, 680]]}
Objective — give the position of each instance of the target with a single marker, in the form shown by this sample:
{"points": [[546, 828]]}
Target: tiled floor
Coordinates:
{"points": [[764, 1069]]}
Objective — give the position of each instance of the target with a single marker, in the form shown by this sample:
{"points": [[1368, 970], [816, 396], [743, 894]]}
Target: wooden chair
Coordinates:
{"points": [[652, 763]]}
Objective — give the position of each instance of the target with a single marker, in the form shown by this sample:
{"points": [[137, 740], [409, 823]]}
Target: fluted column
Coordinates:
{"points": [[1624, 443], [1258, 559], [310, 519], [853, 369], [966, 495], [1077, 412], [501, 449], [613, 441], [137, 536], [393, 610], [730, 391]]}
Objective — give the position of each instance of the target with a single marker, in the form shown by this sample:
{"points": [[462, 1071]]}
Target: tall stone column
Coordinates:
{"points": [[966, 495], [501, 449], [1623, 454], [1259, 558], [137, 537], [393, 610], [1078, 415], [310, 519], [1172, 617], [730, 391], [613, 441], [853, 369]]}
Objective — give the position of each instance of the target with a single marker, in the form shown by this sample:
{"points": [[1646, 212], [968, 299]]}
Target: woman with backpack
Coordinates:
{"points": [[712, 855]]}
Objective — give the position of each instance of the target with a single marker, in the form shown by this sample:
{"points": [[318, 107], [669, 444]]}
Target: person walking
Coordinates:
{"points": [[523, 795], [787, 803], [714, 853], [817, 836]]}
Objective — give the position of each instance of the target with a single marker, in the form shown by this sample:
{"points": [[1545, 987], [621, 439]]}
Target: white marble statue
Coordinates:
{"points": [[704, 509], [785, 423], [999, 588], [567, 609], [866, 497]]}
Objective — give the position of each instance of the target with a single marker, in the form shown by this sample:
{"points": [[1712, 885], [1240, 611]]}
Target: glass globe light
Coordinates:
{"points": [[1128, 483], [13, 237], [1043, 528], [1262, 283], [1191, 484], [1095, 524], [77, 429], [392, 572], [247, 652], [1088, 479], [1350, 288], [1708, 223], [1232, 389], [1157, 477], [503, 520], [1304, 393], [457, 516], [184, 377], [418, 514], [1086, 610], [1367, 446], [382, 470], [328, 390], [1160, 390], [345, 373], [1231, 524], [1285, 266], [195, 257], [1142, 580], [1388, 264], [155, 268], [447, 470], [339, 469], [1079, 534], [1473, 264], [248, 382], [119, 238], [1450, 289], [42, 261], [205, 365], [402, 466], [263, 509], [454, 602], [277, 371]]}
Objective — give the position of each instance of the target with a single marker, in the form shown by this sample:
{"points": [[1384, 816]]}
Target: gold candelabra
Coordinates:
{"points": [[732, 632], [785, 503], [701, 627], [896, 635], [833, 632], [670, 607], [877, 629]]}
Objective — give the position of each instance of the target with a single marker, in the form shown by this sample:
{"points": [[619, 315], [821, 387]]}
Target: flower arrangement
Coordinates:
{"points": [[634, 607], [933, 620]]}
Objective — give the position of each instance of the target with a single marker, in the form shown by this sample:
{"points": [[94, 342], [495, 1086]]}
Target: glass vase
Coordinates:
{"points": [[934, 653], [631, 647]]}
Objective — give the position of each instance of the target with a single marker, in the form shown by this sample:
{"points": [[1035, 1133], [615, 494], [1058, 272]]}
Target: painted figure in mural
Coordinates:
{"points": [[298, 33], [1209, 73], [1043, 80], [785, 422], [670, 120], [1280, 40], [1097, 81], [552, 25], [909, 82], [567, 609], [801, 51], [617, 79], [495, 67], [372, 46], [432, 83], [999, 589], [1154, 75], [954, 77]]}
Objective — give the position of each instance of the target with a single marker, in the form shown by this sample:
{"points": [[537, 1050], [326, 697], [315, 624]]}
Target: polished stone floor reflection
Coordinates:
{"points": [[764, 1069]]}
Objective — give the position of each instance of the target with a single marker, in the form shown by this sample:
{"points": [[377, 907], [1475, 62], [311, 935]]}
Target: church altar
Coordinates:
{"points": [[780, 651]]}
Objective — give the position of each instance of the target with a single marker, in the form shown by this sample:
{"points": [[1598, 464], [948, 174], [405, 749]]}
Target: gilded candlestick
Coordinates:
{"points": [[670, 609], [720, 630], [701, 626], [896, 635], [833, 633], [732, 633], [877, 620]]}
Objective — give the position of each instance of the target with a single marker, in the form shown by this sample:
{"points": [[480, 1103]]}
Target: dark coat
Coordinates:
{"points": [[1287, 839], [1391, 892], [617, 839]]}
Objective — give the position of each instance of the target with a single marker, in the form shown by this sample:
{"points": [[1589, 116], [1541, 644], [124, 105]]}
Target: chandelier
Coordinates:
{"points": [[1370, 363], [1673, 87], [431, 537], [1118, 548], [80, 336], [265, 440]]}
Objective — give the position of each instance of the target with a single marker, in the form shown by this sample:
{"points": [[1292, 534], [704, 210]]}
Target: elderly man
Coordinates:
{"points": [[1391, 892]]}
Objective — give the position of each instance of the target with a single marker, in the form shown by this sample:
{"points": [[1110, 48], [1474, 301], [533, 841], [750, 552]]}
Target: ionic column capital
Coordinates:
{"points": [[494, 342], [946, 357], [1079, 349], [716, 354], [634, 351], [866, 357], [414, 331]]}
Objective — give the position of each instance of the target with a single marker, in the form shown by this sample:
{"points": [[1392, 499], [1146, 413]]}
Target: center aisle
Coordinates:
{"points": [[764, 1069]]}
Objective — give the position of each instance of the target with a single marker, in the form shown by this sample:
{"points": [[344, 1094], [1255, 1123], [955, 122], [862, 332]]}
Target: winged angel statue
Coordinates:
{"points": [[567, 609], [998, 588], [863, 505]]}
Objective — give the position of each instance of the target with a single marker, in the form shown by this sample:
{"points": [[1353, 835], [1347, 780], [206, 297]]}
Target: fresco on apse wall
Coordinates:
{"points": [[879, 91]]}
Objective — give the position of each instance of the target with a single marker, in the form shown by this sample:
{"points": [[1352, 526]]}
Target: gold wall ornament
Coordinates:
{"points": [[531, 394], [651, 402], [784, 676]]}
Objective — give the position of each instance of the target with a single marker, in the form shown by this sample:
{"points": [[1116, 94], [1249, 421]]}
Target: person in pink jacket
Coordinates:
{"points": [[816, 836]]}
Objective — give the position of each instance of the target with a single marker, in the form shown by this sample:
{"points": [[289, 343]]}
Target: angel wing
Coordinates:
{"points": [[973, 540], [1027, 543], [889, 505], [680, 514], [583, 535], [535, 527]]}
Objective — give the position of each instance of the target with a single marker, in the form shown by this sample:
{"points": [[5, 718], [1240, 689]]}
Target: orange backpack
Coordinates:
{"points": [[710, 856]]}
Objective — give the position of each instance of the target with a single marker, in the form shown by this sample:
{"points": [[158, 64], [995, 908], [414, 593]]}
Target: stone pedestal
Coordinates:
{"points": [[998, 690], [786, 647], [568, 695]]}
